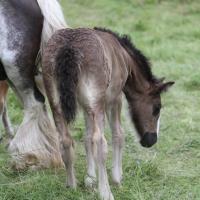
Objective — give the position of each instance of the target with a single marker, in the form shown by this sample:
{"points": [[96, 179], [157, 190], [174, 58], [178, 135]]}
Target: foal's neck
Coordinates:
{"points": [[136, 82]]}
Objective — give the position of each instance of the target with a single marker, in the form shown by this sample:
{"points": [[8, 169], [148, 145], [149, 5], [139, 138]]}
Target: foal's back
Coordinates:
{"points": [[102, 62]]}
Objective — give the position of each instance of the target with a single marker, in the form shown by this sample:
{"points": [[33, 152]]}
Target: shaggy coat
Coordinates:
{"points": [[93, 67]]}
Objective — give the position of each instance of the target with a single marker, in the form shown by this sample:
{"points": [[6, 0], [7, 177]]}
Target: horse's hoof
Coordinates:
{"points": [[90, 181]]}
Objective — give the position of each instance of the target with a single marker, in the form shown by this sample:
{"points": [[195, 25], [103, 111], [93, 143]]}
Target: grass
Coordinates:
{"points": [[168, 33]]}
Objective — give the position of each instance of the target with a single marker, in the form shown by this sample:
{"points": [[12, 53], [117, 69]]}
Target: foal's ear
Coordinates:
{"points": [[162, 87], [161, 80]]}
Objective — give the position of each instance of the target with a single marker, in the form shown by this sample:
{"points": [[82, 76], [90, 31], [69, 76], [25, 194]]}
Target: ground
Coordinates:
{"points": [[168, 33]]}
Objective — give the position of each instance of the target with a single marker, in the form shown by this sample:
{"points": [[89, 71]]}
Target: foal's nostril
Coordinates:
{"points": [[149, 139]]}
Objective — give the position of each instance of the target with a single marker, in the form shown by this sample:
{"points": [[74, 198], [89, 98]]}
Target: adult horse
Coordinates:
{"points": [[93, 67], [25, 26]]}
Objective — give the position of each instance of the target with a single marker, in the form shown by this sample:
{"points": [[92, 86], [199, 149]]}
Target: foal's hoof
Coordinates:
{"points": [[90, 182], [117, 180], [71, 184], [107, 196]]}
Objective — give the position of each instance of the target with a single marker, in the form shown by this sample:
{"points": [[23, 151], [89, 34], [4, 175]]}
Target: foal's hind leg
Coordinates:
{"points": [[113, 114], [99, 151], [65, 140], [66, 145], [90, 179]]}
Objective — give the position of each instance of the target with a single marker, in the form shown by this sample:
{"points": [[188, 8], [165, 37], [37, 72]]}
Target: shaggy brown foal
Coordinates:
{"points": [[94, 67], [3, 110]]}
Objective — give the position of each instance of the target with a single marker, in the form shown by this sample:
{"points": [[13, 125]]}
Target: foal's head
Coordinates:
{"points": [[143, 92], [145, 112]]}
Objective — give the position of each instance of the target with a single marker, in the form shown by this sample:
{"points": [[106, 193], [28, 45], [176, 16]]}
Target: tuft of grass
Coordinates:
{"points": [[193, 83]]}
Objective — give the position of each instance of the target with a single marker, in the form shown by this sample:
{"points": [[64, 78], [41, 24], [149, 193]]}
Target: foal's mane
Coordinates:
{"points": [[142, 62]]}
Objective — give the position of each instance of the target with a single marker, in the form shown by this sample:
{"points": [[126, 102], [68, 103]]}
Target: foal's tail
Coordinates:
{"points": [[67, 72]]}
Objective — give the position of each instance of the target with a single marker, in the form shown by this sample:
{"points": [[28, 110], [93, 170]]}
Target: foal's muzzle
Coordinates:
{"points": [[149, 139]]}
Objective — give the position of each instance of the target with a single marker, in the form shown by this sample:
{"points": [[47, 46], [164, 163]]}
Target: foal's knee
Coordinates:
{"points": [[67, 143], [99, 146], [67, 150], [118, 139]]}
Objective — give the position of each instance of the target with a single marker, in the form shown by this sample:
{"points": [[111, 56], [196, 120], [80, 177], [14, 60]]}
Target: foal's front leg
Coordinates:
{"points": [[113, 114], [90, 179], [99, 151]]}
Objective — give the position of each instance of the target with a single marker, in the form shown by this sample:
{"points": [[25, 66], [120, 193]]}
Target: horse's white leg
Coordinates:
{"points": [[36, 141], [7, 123], [35, 144], [99, 150], [113, 114]]}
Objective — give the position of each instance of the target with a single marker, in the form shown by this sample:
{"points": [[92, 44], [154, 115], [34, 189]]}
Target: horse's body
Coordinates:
{"points": [[94, 68], [3, 109], [23, 23]]}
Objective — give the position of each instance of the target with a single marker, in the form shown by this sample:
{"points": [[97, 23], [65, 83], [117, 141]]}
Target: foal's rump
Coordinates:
{"points": [[81, 62], [77, 60]]}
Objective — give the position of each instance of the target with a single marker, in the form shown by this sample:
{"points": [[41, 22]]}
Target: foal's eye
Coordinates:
{"points": [[156, 109]]}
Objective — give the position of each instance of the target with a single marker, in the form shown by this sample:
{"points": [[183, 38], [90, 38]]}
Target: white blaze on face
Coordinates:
{"points": [[158, 126]]}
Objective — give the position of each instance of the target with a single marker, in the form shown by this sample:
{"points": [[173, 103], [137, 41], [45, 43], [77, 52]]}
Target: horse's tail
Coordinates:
{"points": [[53, 19], [67, 72]]}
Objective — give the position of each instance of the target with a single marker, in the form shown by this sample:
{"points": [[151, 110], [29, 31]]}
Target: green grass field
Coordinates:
{"points": [[167, 31]]}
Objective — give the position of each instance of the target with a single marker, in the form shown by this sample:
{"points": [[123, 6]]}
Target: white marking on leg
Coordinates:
{"points": [[36, 141]]}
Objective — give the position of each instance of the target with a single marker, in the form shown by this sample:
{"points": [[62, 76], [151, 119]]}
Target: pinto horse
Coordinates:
{"points": [[3, 109], [93, 67], [25, 26]]}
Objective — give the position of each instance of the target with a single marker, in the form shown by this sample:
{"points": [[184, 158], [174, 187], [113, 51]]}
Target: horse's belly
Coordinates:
{"points": [[3, 32], [7, 52]]}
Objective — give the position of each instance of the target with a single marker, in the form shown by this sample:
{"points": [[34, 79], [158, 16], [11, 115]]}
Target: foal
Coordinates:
{"points": [[3, 109], [94, 67]]}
